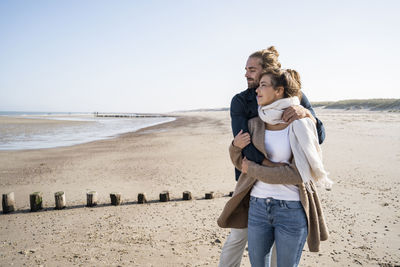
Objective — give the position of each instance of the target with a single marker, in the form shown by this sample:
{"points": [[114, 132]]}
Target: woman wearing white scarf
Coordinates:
{"points": [[303, 142], [276, 213]]}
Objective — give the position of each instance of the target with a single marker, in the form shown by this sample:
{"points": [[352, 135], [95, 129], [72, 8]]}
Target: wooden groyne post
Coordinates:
{"points": [[164, 196], [36, 201], [187, 195], [8, 202], [209, 195], [91, 198], [142, 198], [115, 199], [60, 200]]}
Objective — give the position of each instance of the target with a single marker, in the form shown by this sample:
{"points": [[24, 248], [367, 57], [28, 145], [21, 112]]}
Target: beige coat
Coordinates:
{"points": [[235, 213]]}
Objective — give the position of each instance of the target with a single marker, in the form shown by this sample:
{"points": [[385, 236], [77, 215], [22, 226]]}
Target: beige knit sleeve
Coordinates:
{"points": [[236, 156], [287, 174]]}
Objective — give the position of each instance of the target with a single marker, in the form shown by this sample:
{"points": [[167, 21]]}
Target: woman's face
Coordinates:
{"points": [[266, 94]]}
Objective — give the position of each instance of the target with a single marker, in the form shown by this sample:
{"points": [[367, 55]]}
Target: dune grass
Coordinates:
{"points": [[352, 104]]}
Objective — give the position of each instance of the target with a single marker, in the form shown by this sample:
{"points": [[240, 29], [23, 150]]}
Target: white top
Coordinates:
{"points": [[278, 149]]}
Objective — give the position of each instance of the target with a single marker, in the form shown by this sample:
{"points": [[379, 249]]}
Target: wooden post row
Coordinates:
{"points": [[36, 199]]}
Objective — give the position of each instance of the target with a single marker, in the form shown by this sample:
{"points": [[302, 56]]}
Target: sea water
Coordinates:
{"points": [[76, 129]]}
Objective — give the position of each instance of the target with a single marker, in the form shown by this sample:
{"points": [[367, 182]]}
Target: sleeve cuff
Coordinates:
{"points": [[252, 169], [234, 148]]}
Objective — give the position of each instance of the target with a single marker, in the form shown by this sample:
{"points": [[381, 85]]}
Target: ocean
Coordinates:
{"points": [[36, 130]]}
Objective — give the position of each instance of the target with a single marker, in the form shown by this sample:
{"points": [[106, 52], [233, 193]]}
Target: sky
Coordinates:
{"points": [[162, 56]]}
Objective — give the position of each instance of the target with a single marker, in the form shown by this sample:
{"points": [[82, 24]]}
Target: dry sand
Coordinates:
{"points": [[362, 153]]}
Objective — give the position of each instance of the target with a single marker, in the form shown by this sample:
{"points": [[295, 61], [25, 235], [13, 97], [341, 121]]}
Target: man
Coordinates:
{"points": [[244, 107]]}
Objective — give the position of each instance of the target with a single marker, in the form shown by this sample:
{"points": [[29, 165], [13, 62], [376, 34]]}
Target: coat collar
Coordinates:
{"points": [[251, 94], [258, 136]]}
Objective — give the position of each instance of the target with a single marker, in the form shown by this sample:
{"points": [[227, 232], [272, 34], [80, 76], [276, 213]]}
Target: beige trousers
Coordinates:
{"points": [[232, 251]]}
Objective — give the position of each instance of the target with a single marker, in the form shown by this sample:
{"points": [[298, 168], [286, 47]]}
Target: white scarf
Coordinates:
{"points": [[303, 142]]}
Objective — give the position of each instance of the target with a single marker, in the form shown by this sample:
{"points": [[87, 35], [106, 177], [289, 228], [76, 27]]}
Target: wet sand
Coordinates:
{"points": [[361, 152]]}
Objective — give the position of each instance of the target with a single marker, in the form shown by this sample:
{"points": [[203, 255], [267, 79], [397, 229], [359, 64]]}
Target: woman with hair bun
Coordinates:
{"points": [[278, 203]]}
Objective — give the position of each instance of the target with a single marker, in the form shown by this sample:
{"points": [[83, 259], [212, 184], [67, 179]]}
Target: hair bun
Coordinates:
{"points": [[271, 50], [269, 57], [295, 76]]}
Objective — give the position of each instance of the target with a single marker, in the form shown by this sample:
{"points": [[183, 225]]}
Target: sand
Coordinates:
{"points": [[362, 153]]}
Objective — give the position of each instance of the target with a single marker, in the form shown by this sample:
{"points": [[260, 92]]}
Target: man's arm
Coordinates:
{"points": [[320, 127], [239, 121], [237, 159], [305, 110]]}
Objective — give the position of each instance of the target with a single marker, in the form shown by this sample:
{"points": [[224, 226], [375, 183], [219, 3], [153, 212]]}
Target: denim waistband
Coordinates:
{"points": [[272, 201]]}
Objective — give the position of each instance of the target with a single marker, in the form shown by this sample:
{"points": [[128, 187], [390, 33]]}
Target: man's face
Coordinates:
{"points": [[253, 72]]}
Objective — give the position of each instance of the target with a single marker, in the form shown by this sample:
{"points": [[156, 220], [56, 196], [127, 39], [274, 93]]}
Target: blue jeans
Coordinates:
{"points": [[280, 221]]}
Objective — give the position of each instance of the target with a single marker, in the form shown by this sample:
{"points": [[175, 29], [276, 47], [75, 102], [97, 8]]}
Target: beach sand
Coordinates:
{"points": [[361, 152]]}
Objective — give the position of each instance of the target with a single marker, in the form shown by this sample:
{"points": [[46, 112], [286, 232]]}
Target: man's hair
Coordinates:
{"points": [[269, 58], [288, 79]]}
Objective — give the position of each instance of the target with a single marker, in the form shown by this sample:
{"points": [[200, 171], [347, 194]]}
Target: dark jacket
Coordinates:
{"points": [[244, 107]]}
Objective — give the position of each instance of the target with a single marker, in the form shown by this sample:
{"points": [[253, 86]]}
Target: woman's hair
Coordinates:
{"points": [[287, 78], [269, 58]]}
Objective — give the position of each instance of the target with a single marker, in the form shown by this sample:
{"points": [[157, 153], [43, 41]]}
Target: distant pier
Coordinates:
{"points": [[129, 115]]}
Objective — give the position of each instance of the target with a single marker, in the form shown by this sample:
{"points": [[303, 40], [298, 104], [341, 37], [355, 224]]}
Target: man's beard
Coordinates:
{"points": [[252, 84]]}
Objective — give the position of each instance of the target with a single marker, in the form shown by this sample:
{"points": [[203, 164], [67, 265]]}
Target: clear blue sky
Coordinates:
{"points": [[160, 56]]}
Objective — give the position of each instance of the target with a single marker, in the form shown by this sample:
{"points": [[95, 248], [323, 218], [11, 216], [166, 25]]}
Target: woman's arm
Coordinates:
{"points": [[305, 110], [273, 173], [239, 121], [286, 174], [236, 156], [240, 141]]}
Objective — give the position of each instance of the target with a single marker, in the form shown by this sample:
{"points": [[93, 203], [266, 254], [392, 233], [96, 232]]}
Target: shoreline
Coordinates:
{"points": [[72, 130]]}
